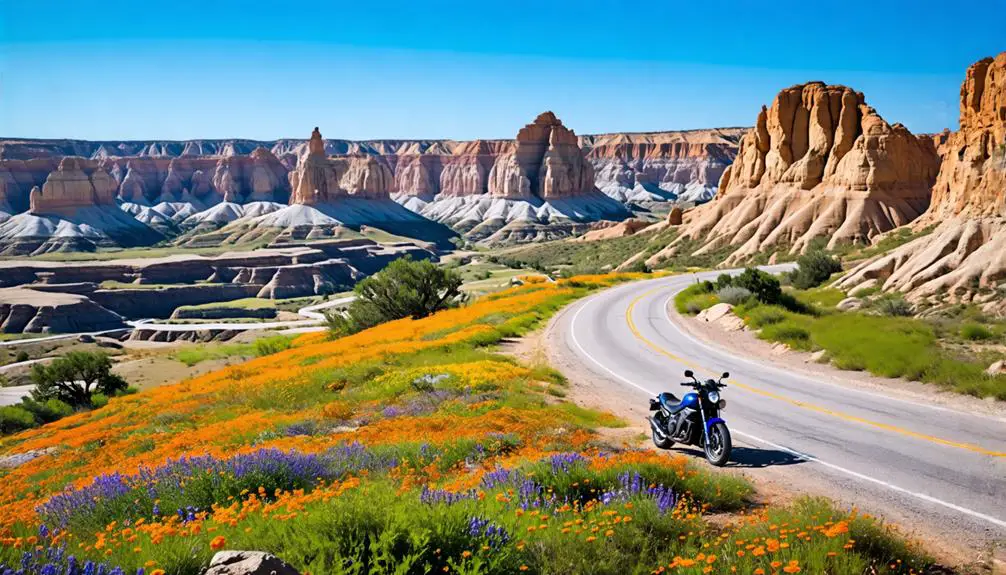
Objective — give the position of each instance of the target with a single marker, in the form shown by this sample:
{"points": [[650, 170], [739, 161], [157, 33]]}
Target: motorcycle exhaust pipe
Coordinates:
{"points": [[656, 428]]}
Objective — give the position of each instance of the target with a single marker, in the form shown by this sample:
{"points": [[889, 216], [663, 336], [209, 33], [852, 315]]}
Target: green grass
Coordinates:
{"points": [[192, 355], [578, 257], [112, 284], [887, 346]]}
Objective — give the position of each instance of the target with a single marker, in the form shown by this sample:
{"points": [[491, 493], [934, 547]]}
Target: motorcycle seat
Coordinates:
{"points": [[670, 402]]}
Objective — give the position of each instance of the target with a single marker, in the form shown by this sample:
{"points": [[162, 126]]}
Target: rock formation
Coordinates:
{"points": [[69, 188], [964, 256], [819, 163], [652, 168], [546, 162]]}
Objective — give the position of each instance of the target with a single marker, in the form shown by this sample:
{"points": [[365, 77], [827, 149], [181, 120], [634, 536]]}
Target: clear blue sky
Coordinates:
{"points": [[361, 69]]}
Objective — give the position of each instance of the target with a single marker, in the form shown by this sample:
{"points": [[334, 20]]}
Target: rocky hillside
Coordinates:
{"points": [[819, 163], [963, 256]]}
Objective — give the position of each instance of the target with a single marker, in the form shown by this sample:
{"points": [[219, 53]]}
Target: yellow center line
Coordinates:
{"points": [[796, 402]]}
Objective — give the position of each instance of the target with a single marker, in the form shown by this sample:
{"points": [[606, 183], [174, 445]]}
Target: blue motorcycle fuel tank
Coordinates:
{"points": [[690, 400]]}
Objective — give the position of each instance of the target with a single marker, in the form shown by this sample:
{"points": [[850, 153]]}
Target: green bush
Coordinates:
{"points": [[895, 306], [14, 419], [813, 269], [22, 356], [48, 411], [976, 332], [764, 286], [695, 298], [99, 400]]}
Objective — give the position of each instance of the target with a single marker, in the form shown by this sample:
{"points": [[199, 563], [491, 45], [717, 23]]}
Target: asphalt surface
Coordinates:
{"points": [[945, 469]]}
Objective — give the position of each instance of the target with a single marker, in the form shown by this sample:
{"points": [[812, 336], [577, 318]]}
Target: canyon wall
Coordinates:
{"points": [[961, 255], [647, 168], [819, 163]]}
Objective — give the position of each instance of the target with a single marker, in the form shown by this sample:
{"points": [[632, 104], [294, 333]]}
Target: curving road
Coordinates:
{"points": [[940, 470]]}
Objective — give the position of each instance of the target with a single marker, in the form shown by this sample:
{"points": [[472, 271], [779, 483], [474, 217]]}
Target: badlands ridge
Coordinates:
{"points": [[546, 183]]}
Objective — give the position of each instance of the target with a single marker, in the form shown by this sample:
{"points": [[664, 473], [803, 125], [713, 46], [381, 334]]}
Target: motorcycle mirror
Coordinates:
{"points": [[726, 374], [688, 373]]}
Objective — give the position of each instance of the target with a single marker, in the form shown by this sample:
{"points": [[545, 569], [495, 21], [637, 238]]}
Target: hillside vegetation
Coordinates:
{"points": [[410, 447]]}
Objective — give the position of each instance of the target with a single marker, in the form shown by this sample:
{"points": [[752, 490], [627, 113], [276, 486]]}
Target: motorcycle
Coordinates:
{"points": [[693, 419]]}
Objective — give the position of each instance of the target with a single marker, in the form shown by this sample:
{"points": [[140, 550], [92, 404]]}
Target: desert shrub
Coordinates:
{"points": [[733, 295], [14, 418], [894, 305], [976, 332], [75, 377], [813, 269], [701, 302], [21, 356], [404, 288]]}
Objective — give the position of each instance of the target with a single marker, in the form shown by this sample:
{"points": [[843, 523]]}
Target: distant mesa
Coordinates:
{"points": [[819, 164], [962, 258]]}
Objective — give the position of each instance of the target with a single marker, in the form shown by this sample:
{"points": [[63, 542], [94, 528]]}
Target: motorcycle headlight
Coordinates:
{"points": [[714, 397]]}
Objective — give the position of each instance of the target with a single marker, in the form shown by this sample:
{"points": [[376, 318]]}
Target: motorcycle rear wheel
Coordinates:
{"points": [[718, 446], [660, 443]]}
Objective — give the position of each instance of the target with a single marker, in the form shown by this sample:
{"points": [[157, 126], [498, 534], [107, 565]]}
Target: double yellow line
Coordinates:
{"points": [[796, 402]]}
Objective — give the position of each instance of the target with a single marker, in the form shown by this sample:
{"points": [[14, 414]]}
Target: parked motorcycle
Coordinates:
{"points": [[693, 419]]}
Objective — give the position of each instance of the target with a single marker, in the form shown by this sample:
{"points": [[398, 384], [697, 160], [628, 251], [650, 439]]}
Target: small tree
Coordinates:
{"points": [[764, 286], [75, 377], [404, 288]]}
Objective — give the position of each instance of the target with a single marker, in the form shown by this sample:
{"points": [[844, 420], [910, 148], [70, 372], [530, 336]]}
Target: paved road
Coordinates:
{"points": [[943, 467]]}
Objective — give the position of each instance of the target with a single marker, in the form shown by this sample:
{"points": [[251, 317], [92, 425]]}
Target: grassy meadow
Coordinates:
{"points": [[951, 350], [411, 447]]}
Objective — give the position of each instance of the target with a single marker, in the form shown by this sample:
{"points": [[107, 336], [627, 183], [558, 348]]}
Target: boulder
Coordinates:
{"points": [[849, 304], [997, 368], [248, 563], [721, 314]]}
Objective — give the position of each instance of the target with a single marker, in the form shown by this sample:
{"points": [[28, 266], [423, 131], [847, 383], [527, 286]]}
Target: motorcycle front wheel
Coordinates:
{"points": [[718, 446]]}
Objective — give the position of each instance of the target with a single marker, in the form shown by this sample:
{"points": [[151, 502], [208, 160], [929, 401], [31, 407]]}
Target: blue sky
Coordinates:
{"points": [[126, 69]]}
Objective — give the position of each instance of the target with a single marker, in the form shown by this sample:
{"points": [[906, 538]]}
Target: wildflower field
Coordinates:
{"points": [[407, 448]]}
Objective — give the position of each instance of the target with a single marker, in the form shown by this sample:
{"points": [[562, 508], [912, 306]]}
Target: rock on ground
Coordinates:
{"points": [[248, 563]]}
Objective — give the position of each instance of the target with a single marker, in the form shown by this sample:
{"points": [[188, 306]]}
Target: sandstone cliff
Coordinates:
{"points": [[819, 163], [964, 255]]}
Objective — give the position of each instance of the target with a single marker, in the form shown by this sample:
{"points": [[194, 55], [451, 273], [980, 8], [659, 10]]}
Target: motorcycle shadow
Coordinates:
{"points": [[751, 457]]}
